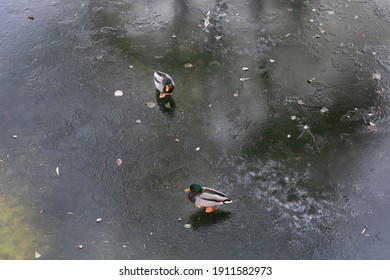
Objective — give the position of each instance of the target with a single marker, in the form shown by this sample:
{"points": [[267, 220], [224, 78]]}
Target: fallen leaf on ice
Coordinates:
{"points": [[331, 13], [376, 76], [118, 162], [301, 102], [272, 60], [118, 93], [324, 110], [58, 171], [244, 79], [380, 91], [245, 68], [151, 104], [372, 127], [293, 117], [37, 255], [188, 65]]}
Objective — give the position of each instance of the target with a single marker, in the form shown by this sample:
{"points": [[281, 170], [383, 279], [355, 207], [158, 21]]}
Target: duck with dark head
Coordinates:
{"points": [[164, 83], [206, 197]]}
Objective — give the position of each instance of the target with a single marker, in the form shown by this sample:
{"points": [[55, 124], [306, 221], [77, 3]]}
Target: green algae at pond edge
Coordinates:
{"points": [[20, 239]]}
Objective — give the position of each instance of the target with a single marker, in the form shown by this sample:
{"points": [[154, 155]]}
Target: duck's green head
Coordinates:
{"points": [[194, 188], [169, 86]]}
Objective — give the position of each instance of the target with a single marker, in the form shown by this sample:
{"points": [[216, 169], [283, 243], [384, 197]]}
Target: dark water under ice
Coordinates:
{"points": [[301, 147]]}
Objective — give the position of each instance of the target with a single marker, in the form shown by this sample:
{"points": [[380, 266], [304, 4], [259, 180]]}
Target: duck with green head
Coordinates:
{"points": [[206, 197], [163, 83]]}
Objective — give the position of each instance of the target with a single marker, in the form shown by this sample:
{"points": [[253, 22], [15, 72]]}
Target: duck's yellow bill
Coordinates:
{"points": [[166, 88], [187, 190]]}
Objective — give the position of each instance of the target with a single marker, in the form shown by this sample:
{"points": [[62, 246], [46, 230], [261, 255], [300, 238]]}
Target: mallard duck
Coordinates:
{"points": [[164, 83], [206, 197]]}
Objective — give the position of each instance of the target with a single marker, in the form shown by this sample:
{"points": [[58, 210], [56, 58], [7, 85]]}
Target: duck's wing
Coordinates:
{"points": [[159, 77], [159, 80], [214, 196]]}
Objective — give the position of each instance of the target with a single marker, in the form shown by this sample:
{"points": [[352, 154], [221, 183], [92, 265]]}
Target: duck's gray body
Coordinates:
{"points": [[163, 82], [206, 197]]}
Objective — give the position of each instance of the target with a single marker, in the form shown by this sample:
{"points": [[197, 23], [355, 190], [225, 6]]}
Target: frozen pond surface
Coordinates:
{"points": [[299, 141]]}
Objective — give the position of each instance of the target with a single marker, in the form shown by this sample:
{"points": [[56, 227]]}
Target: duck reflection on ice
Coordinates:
{"points": [[200, 218], [167, 104]]}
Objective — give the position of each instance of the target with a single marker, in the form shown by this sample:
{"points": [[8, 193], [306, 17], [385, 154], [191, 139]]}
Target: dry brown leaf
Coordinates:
{"points": [[372, 127], [151, 104], [376, 76], [118, 162], [380, 91]]}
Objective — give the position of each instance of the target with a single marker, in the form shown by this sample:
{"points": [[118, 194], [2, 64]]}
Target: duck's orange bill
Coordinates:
{"points": [[187, 190]]}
